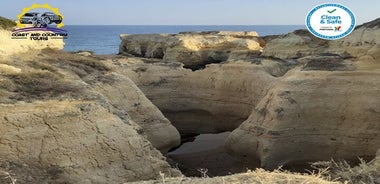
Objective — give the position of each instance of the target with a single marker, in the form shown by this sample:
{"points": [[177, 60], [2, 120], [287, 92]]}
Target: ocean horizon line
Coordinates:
{"points": [[180, 25]]}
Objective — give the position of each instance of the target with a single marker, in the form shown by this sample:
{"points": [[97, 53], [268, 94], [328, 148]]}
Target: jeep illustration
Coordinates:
{"points": [[28, 18], [42, 20]]}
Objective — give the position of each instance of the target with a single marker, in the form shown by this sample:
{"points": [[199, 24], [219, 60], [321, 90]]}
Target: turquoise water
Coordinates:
{"points": [[105, 39]]}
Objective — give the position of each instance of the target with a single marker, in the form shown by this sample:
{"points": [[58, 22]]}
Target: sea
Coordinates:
{"points": [[106, 40]]}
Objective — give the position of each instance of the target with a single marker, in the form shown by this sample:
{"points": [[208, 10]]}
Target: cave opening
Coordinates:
{"points": [[202, 155]]}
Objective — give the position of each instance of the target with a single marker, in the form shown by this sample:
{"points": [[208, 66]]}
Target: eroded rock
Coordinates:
{"points": [[328, 107], [216, 99], [57, 75], [194, 50], [11, 46], [328, 116], [81, 140], [127, 99]]}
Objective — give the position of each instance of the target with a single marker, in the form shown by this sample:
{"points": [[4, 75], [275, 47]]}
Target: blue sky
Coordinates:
{"points": [[189, 12]]}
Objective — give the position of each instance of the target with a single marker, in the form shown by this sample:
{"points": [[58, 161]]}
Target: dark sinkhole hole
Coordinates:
{"points": [[205, 154]]}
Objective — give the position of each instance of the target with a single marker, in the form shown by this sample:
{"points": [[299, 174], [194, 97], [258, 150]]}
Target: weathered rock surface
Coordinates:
{"points": [[216, 99], [126, 98], [311, 116], [311, 99], [290, 99], [9, 46], [53, 87], [194, 50], [76, 142], [57, 75], [328, 107], [363, 42], [294, 45]]}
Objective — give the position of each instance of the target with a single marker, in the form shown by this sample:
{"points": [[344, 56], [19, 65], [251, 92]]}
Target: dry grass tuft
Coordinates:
{"points": [[257, 176], [366, 173], [6, 177]]}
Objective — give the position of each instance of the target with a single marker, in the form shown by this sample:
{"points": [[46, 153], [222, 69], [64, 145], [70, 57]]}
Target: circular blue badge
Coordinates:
{"points": [[330, 21]]}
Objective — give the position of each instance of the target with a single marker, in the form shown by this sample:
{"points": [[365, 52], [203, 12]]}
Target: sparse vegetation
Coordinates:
{"points": [[140, 69], [4, 175], [46, 75], [6, 23], [81, 65], [42, 66], [327, 64], [330, 172], [256, 176], [40, 85], [368, 173], [14, 172]]}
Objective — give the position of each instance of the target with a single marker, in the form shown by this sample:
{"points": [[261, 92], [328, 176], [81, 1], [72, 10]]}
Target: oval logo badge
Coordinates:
{"points": [[330, 21]]}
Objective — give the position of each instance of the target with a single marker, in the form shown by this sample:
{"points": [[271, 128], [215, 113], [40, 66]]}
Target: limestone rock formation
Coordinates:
{"points": [[76, 142], [9, 46], [289, 99], [216, 99], [331, 115], [126, 98], [58, 75], [328, 107], [363, 43], [83, 101], [194, 50], [294, 45], [305, 99]]}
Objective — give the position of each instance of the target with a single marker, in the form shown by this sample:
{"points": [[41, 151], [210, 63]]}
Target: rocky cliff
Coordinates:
{"points": [[288, 100], [194, 50], [216, 99], [327, 107], [74, 142], [305, 99], [70, 118]]}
